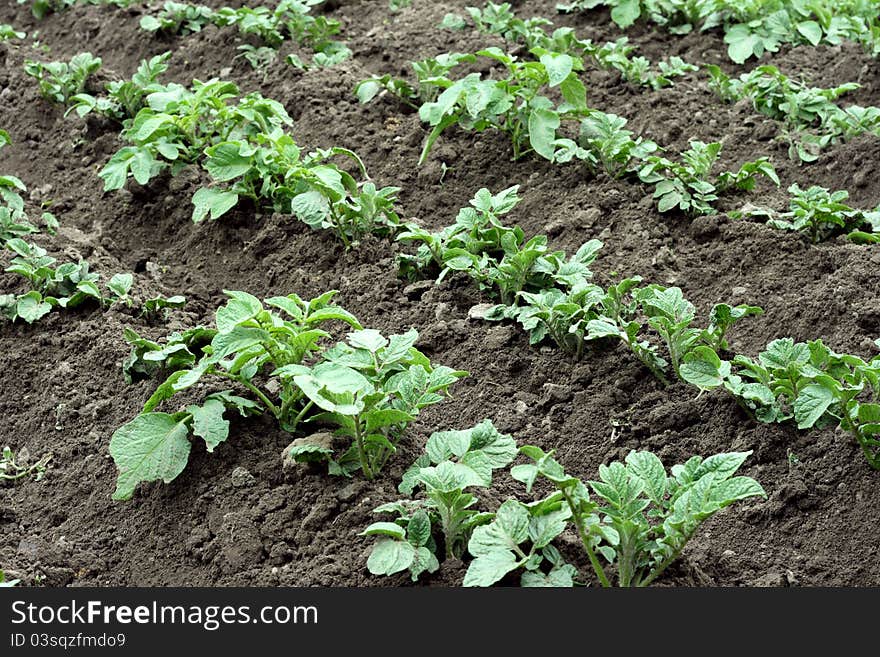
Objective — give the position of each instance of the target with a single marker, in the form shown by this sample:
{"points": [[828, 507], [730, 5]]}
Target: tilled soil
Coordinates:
{"points": [[61, 388]]}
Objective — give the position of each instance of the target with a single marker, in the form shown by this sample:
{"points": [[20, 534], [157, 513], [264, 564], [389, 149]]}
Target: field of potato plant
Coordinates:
{"points": [[398, 292]]}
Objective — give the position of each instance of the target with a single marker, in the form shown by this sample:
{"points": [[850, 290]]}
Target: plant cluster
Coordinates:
{"points": [[811, 118], [368, 388], [498, 258], [517, 104], [8, 33], [61, 81], [635, 518], [454, 463], [289, 19], [753, 27], [242, 145], [820, 214], [42, 8], [500, 19]]}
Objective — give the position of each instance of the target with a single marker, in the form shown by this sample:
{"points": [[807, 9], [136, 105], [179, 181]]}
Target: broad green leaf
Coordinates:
{"points": [[152, 446], [558, 67], [703, 368], [626, 12], [811, 31], [212, 201], [121, 284], [225, 162], [510, 527], [543, 124], [649, 468], [208, 422], [811, 404], [390, 556], [418, 530], [240, 309], [369, 339], [310, 208], [31, 307], [490, 568]]}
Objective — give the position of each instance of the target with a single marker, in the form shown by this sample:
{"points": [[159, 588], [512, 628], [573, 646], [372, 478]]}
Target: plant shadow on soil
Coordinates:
{"points": [[62, 389]]}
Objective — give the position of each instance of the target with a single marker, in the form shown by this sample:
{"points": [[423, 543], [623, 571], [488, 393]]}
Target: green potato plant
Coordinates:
{"points": [[13, 470], [453, 462], [639, 521], [68, 285], [9, 33], [61, 81], [370, 388], [820, 215], [810, 117]]}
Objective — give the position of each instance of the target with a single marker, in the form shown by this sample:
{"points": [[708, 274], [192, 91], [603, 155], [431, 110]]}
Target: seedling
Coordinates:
{"points": [[370, 387], [820, 215], [12, 470], [67, 286], [7, 33], [454, 461], [161, 306], [640, 523], [7, 583], [60, 81]]}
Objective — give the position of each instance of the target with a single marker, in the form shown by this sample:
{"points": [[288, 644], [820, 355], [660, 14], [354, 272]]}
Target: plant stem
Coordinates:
{"points": [[254, 389], [362, 452], [585, 539]]}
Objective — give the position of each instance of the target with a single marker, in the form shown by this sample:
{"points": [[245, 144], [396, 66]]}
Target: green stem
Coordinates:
{"points": [[254, 389], [362, 452], [585, 540]]}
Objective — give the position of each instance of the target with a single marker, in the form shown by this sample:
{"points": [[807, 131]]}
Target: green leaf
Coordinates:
{"points": [[626, 12], [490, 568], [209, 200], [391, 529], [543, 124], [151, 447], [389, 557], [369, 339], [242, 308], [311, 208], [703, 368], [31, 307], [811, 404], [811, 31], [418, 530], [121, 284], [225, 161], [208, 422], [649, 469], [510, 527], [558, 66]]}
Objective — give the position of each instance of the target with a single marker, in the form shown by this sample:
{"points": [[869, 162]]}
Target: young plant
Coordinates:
{"points": [[178, 18], [639, 522], [604, 140], [453, 462], [369, 388], [67, 286], [12, 470], [61, 81], [820, 214], [689, 186], [8, 33], [160, 306], [125, 98]]}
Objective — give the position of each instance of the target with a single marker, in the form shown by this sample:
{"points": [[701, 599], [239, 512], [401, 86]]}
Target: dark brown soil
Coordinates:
{"points": [[61, 389]]}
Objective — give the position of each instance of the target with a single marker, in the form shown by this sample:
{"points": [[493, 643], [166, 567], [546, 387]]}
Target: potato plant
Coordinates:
{"points": [[811, 118], [61, 81], [453, 462], [517, 104], [498, 258], [369, 388], [752, 27], [635, 517], [501, 20], [271, 26], [820, 215], [9, 33], [68, 285]]}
